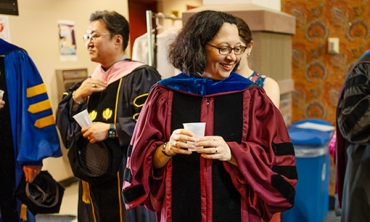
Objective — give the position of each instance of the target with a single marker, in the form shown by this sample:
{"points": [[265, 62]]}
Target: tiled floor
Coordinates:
{"points": [[69, 205], [331, 217], [68, 209]]}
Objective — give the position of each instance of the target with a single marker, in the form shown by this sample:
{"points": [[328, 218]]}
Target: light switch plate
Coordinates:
{"points": [[333, 45]]}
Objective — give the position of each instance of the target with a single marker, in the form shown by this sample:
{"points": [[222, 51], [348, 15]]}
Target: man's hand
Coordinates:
{"points": [[30, 172], [2, 103]]}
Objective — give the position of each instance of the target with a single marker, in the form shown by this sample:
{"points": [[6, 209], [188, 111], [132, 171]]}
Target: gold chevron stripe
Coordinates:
{"points": [[44, 122], [39, 107], [138, 97], [135, 116], [36, 90]]}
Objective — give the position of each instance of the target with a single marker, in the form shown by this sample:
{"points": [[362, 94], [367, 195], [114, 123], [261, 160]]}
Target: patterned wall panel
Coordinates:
{"points": [[318, 75]]}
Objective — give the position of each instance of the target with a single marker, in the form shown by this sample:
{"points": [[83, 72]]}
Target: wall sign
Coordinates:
{"points": [[4, 28]]}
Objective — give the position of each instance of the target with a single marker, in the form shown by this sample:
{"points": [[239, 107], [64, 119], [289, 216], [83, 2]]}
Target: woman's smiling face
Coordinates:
{"points": [[220, 66]]}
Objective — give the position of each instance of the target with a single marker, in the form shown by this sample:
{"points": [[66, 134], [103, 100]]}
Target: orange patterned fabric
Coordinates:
{"points": [[318, 75]]}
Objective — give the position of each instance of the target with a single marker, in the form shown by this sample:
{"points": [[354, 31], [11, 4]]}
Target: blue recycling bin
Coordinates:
{"points": [[312, 158]]}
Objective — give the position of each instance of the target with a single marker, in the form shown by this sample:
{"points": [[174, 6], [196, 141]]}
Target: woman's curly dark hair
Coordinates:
{"points": [[187, 51]]}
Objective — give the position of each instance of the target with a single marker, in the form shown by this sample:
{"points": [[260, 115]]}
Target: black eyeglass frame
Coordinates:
{"points": [[230, 49], [92, 36]]}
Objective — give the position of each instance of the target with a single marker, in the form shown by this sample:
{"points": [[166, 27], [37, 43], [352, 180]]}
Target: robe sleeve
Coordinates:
{"points": [[353, 114], [352, 118], [149, 133], [266, 174], [67, 126], [33, 123], [135, 89]]}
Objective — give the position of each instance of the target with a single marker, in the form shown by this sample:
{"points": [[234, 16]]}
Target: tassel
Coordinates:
{"points": [[85, 192], [23, 213]]}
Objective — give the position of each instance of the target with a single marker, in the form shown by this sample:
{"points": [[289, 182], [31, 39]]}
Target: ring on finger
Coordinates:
{"points": [[216, 150], [214, 138], [93, 85], [174, 143]]}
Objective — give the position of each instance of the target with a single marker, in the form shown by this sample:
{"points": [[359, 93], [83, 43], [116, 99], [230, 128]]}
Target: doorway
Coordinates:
{"points": [[137, 17]]}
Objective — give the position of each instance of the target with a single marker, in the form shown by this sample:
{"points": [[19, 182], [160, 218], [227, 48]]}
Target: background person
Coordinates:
{"points": [[113, 96], [246, 168], [353, 143], [269, 85], [28, 133]]}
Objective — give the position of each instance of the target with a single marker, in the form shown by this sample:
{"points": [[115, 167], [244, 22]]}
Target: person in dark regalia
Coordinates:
{"points": [[28, 132], [113, 96], [353, 143], [244, 167]]}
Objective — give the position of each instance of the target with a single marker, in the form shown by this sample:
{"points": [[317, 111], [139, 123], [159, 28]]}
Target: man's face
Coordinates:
{"points": [[100, 45]]}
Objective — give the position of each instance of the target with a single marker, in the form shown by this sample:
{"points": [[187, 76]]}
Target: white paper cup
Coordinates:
{"points": [[197, 128], [83, 118], [1, 94]]}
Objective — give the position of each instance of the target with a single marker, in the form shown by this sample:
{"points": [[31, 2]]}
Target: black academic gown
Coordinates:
{"points": [[103, 202]]}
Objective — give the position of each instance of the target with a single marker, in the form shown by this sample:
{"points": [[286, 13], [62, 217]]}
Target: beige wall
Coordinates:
{"points": [[271, 4], [166, 6], [36, 30]]}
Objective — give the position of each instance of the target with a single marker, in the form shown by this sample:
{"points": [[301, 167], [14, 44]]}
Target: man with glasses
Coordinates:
{"points": [[113, 96]]}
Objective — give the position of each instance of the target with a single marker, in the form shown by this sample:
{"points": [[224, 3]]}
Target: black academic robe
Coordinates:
{"points": [[353, 143], [124, 99]]}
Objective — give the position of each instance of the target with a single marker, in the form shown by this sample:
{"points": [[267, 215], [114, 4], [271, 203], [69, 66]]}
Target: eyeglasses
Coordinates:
{"points": [[92, 36], [226, 50]]}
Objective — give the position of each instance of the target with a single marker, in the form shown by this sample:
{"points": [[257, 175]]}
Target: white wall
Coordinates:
{"points": [[36, 30], [272, 4]]}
